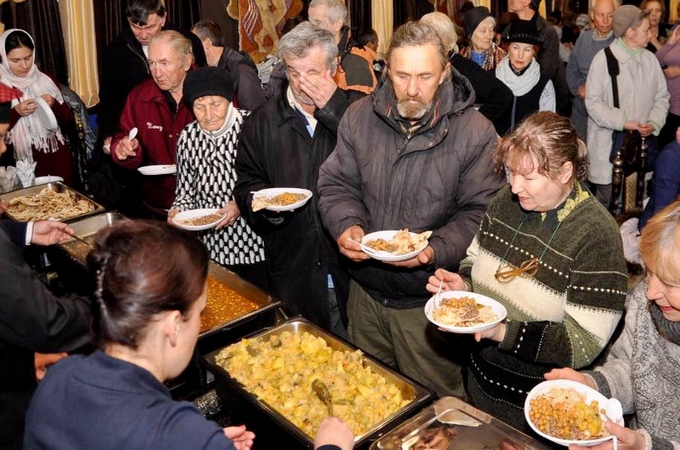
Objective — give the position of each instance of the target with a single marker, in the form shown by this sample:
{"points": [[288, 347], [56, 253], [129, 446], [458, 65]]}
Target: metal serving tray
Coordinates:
{"points": [[237, 300], [226, 385], [250, 301], [56, 187], [86, 229], [457, 426]]}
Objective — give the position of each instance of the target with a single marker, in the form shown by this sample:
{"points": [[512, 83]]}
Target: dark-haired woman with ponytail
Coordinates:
{"points": [[150, 291]]}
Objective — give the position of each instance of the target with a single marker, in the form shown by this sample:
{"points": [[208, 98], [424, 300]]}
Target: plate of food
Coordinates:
{"points": [[394, 245], [464, 312], [198, 219], [567, 412], [158, 169], [280, 199], [45, 114]]}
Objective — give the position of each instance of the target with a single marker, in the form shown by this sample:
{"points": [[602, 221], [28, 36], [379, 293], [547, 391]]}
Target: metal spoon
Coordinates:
{"points": [[78, 238], [321, 391]]}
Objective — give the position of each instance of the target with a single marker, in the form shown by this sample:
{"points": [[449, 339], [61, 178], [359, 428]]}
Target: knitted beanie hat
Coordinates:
{"points": [[473, 17], [207, 81]]}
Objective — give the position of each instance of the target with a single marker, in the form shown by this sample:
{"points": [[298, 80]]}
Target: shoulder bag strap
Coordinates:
{"points": [[613, 69]]}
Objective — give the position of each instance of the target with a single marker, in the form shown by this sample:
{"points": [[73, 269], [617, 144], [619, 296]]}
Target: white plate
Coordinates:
{"points": [[48, 179], [158, 169], [498, 309], [192, 214], [45, 114], [272, 192], [387, 256], [590, 393]]}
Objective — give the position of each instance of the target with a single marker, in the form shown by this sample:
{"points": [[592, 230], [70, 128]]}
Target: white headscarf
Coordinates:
{"points": [[28, 131]]}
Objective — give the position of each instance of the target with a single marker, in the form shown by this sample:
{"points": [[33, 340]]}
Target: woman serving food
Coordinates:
{"points": [[151, 289], [551, 254]]}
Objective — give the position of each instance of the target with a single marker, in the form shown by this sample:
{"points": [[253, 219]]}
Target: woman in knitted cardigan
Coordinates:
{"points": [[642, 370], [552, 255]]}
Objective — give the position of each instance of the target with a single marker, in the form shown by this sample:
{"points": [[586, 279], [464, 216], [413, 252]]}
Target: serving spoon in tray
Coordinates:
{"points": [[78, 238], [321, 391]]}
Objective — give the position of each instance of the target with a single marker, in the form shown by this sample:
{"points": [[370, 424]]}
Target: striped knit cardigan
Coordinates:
{"points": [[562, 316]]}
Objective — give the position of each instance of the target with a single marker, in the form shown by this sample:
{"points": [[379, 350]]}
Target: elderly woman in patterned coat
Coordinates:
{"points": [[206, 151]]}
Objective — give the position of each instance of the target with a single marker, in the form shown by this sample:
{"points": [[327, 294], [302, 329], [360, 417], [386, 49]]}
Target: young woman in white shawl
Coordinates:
{"points": [[519, 70], [32, 137]]}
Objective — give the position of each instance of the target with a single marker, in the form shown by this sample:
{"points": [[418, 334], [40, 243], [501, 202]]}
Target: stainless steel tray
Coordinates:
{"points": [[239, 300], [86, 229], [456, 425], [56, 187], [257, 300], [417, 395]]}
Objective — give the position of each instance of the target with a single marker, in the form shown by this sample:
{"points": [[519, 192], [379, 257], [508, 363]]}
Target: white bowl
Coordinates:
{"points": [[273, 192], [497, 308], [387, 256], [590, 394], [194, 213], [158, 169]]}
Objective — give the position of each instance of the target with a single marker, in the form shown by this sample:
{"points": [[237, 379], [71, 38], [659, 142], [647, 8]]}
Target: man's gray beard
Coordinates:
{"points": [[413, 111]]}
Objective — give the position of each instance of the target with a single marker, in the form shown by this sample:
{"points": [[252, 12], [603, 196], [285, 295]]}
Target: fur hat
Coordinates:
{"points": [[523, 31], [625, 16], [207, 81], [473, 17]]}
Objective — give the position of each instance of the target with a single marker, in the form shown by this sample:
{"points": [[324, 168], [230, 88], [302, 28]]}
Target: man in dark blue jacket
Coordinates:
{"points": [[31, 318]]}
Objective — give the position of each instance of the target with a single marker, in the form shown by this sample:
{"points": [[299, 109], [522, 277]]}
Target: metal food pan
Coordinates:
{"points": [[457, 426], [416, 395], [86, 229], [56, 187], [259, 300]]}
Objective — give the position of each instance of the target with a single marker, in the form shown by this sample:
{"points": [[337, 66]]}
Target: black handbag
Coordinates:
{"points": [[627, 143]]}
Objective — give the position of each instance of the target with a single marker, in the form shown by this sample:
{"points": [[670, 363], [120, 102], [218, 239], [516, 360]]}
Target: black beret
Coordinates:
{"points": [[207, 81]]}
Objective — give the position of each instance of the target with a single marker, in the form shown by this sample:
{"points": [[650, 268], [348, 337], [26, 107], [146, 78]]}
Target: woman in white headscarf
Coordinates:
{"points": [[33, 136]]}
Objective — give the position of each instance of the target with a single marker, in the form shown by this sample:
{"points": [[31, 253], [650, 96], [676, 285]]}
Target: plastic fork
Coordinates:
{"points": [[438, 295]]}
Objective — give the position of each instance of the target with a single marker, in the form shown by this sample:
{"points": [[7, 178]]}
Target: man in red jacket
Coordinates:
{"points": [[156, 109]]}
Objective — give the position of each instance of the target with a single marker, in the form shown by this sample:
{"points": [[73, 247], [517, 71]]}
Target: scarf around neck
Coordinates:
{"points": [[28, 132], [518, 84], [667, 329]]}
